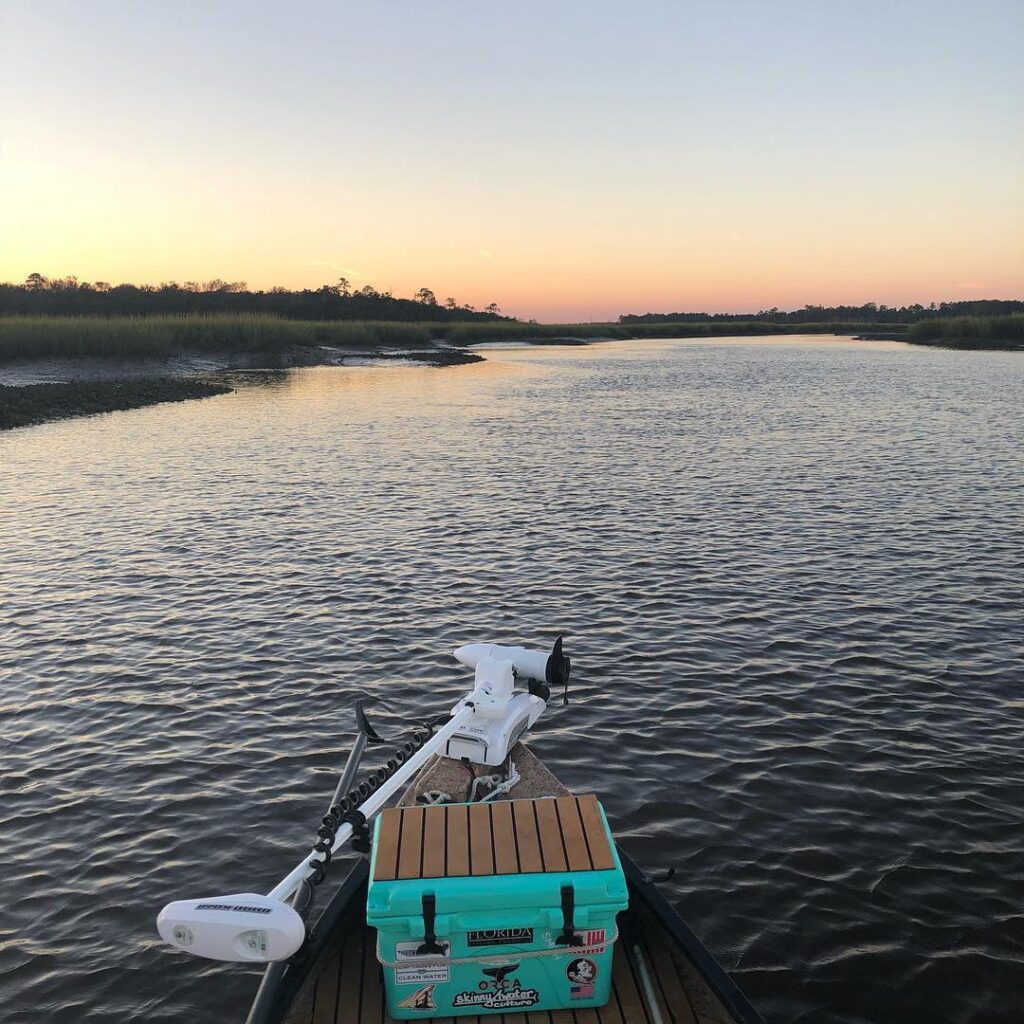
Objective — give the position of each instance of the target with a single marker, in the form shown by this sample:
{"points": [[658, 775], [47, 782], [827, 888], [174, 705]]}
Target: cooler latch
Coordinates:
{"points": [[568, 936], [430, 943]]}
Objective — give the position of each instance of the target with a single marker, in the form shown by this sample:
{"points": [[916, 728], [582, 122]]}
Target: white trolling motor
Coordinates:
{"points": [[483, 727]]}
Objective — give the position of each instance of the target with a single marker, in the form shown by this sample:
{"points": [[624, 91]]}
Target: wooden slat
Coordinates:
{"points": [[652, 974], [597, 838], [588, 1015], [527, 841], [434, 841], [373, 982], [410, 850], [458, 841], [505, 860], [325, 1002], [481, 845], [387, 844], [351, 976], [705, 1005], [633, 1008], [610, 1012], [667, 979], [562, 1017], [550, 836], [576, 852]]}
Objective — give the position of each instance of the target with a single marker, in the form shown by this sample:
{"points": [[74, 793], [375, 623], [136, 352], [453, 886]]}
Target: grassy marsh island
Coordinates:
{"points": [[973, 332]]}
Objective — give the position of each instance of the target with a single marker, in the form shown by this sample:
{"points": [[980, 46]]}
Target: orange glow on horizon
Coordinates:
{"points": [[542, 182]]}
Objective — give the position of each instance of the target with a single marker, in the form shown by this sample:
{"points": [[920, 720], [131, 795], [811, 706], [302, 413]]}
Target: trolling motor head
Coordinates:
{"points": [[242, 927], [500, 715]]}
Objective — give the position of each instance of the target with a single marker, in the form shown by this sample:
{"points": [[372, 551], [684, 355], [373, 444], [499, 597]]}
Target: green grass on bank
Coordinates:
{"points": [[971, 331], [159, 337]]}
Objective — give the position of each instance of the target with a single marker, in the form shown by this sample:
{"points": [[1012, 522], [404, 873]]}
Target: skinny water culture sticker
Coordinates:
{"points": [[498, 992]]}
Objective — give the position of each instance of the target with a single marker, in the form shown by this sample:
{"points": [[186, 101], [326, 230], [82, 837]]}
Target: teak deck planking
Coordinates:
{"points": [[563, 833]]}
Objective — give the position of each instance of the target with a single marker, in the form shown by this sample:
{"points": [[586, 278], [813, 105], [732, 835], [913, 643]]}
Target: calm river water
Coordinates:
{"points": [[789, 572]]}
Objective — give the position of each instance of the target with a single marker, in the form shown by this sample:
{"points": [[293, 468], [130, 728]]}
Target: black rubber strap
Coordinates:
{"points": [[430, 944], [568, 936]]}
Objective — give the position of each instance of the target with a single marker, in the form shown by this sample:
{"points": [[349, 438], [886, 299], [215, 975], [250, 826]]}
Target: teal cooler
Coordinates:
{"points": [[496, 943]]}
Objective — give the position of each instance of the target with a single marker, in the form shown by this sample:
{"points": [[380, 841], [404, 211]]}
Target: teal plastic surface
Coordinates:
{"points": [[498, 935]]}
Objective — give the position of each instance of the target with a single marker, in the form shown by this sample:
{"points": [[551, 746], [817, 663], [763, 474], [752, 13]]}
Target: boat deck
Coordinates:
{"points": [[347, 987], [653, 979]]}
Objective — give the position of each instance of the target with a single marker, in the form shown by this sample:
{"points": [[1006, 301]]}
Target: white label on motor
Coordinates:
{"points": [[422, 975], [410, 951]]}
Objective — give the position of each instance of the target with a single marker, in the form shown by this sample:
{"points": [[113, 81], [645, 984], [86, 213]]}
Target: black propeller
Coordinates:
{"points": [[556, 673]]}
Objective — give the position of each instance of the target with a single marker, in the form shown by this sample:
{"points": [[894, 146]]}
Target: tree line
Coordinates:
{"points": [[870, 312], [67, 296]]}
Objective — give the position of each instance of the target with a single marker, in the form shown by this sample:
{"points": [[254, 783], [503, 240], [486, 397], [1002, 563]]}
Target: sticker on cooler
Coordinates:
{"points": [[424, 968], [500, 937], [436, 975], [411, 951], [498, 991], [421, 1000], [594, 941], [581, 973]]}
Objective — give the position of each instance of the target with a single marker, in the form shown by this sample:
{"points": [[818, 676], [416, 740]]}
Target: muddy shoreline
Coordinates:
{"points": [[30, 404], [43, 390]]}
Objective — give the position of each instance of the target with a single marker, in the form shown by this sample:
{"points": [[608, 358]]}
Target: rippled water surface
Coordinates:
{"points": [[790, 575]]}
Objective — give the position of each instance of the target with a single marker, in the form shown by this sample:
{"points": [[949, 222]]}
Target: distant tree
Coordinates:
{"points": [[492, 308], [343, 287], [368, 292], [450, 303], [426, 296], [36, 282]]}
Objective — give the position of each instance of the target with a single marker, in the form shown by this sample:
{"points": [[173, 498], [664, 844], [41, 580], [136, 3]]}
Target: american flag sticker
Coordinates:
{"points": [[594, 941]]}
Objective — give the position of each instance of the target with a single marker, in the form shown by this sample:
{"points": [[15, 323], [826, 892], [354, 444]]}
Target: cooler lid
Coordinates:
{"points": [[494, 854]]}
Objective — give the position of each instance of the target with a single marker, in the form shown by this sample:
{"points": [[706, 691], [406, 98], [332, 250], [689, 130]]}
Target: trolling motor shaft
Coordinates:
{"points": [[483, 727]]}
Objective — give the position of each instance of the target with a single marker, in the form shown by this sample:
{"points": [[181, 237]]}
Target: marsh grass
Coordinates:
{"points": [[163, 337], [971, 331]]}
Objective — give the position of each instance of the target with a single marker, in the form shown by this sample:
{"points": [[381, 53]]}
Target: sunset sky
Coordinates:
{"points": [[568, 159]]}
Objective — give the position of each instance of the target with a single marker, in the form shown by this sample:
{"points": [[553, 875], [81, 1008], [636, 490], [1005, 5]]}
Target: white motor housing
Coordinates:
{"points": [[245, 926], [501, 716], [488, 739], [492, 687], [527, 663]]}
